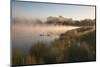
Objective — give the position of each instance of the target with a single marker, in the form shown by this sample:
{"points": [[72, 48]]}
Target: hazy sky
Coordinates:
{"points": [[43, 10]]}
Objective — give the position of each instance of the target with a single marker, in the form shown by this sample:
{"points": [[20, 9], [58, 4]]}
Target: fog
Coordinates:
{"points": [[27, 35]]}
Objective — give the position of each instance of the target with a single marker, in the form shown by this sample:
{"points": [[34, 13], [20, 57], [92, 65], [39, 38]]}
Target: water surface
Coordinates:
{"points": [[24, 36]]}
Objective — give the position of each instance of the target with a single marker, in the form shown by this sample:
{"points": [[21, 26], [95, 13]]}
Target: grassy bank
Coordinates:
{"points": [[73, 46]]}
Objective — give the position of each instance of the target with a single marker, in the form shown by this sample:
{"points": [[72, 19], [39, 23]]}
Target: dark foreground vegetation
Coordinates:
{"points": [[73, 46]]}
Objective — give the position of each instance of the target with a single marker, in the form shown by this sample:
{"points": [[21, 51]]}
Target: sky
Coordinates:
{"points": [[31, 10]]}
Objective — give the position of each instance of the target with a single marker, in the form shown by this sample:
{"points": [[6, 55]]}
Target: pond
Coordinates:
{"points": [[24, 36]]}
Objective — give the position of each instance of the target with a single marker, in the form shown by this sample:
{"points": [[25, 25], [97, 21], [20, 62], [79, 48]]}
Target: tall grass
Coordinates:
{"points": [[68, 48]]}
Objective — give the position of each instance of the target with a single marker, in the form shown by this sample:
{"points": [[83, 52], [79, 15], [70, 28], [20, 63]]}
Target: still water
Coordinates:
{"points": [[24, 36]]}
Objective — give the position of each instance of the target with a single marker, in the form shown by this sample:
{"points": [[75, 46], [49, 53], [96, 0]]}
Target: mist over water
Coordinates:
{"points": [[24, 36]]}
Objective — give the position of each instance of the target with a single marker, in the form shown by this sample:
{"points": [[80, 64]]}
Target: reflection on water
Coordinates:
{"points": [[23, 36]]}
